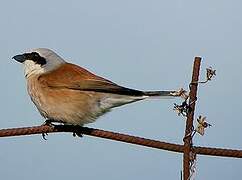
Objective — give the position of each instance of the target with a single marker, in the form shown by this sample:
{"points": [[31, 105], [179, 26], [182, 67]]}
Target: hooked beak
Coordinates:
{"points": [[20, 58]]}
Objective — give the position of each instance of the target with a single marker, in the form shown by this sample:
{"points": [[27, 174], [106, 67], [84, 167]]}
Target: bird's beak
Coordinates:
{"points": [[20, 58]]}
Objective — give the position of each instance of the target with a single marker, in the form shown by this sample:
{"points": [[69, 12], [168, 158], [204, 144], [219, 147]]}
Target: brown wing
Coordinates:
{"points": [[77, 78]]}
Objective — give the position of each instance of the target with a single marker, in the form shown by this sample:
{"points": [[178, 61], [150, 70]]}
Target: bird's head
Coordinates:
{"points": [[39, 61]]}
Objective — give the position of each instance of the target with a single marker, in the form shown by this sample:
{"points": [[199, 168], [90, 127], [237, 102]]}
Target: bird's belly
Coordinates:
{"points": [[67, 106]]}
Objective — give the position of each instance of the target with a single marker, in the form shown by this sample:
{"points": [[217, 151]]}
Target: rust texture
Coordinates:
{"points": [[189, 122], [92, 132], [119, 137]]}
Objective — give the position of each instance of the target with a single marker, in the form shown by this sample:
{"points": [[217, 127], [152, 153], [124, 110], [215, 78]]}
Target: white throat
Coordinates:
{"points": [[30, 68]]}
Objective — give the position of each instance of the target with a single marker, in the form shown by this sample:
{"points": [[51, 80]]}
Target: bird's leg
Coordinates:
{"points": [[48, 122], [76, 133]]}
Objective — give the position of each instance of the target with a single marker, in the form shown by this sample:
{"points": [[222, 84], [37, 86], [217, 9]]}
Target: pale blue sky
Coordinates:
{"points": [[148, 45]]}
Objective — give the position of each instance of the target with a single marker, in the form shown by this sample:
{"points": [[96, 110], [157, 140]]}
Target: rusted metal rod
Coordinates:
{"points": [[189, 122], [119, 137], [91, 132]]}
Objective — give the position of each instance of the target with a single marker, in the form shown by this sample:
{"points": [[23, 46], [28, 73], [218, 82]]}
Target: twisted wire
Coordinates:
{"points": [[119, 137]]}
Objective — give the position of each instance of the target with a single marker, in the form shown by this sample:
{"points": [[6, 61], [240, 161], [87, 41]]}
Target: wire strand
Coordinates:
{"points": [[119, 137]]}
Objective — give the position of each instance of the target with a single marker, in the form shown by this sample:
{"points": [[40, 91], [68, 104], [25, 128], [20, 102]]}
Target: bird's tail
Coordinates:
{"points": [[165, 94], [131, 95]]}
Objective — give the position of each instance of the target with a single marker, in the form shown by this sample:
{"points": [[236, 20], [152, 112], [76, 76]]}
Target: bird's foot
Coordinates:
{"points": [[77, 133], [48, 122], [44, 136]]}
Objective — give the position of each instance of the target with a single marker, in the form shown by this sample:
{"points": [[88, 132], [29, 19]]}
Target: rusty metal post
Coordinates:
{"points": [[189, 122]]}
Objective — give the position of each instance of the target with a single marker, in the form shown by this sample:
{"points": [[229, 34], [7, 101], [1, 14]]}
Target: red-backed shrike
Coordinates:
{"points": [[70, 94]]}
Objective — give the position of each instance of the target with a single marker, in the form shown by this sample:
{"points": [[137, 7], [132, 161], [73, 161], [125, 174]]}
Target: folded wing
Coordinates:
{"points": [[74, 77]]}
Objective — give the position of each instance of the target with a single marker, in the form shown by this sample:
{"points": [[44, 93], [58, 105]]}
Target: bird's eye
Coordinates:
{"points": [[35, 57], [35, 54]]}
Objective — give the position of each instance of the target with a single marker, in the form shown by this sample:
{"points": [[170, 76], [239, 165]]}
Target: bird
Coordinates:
{"points": [[71, 95]]}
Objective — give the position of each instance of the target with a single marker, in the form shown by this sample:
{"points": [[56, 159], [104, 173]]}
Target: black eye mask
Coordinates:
{"points": [[34, 56]]}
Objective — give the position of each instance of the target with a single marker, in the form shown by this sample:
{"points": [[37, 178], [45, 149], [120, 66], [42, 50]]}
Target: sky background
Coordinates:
{"points": [[147, 45]]}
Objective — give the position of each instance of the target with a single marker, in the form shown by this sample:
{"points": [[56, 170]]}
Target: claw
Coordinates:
{"points": [[77, 134], [44, 136]]}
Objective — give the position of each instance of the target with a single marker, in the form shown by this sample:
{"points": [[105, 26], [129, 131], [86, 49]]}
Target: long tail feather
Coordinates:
{"points": [[159, 93]]}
